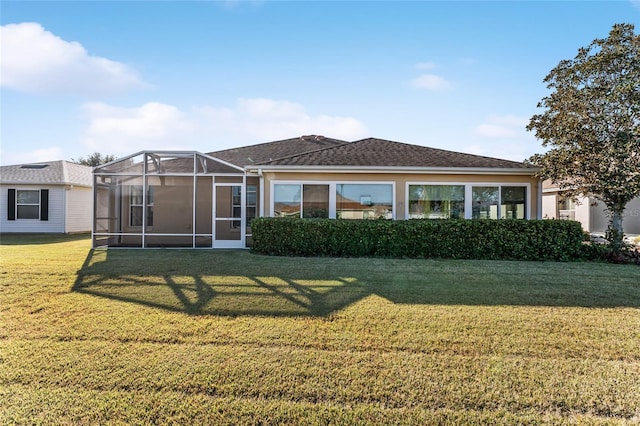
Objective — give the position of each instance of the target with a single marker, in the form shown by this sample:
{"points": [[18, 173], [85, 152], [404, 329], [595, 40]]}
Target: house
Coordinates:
{"points": [[192, 199], [586, 210], [49, 197]]}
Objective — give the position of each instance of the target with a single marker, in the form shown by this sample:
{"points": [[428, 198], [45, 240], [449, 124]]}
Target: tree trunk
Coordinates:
{"points": [[615, 234]]}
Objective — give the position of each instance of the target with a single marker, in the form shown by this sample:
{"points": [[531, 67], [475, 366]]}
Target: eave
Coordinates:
{"points": [[393, 170]]}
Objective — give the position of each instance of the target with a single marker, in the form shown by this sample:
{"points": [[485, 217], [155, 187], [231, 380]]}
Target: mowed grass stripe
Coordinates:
{"points": [[392, 380], [569, 333], [87, 407]]}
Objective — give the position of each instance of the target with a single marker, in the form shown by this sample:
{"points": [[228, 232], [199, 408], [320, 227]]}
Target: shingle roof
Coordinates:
{"points": [[47, 173], [374, 152], [255, 154]]}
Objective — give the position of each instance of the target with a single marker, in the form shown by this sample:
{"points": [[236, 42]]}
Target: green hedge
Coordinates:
{"points": [[419, 238]]}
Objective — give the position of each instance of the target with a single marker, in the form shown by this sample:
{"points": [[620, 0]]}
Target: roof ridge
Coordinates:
{"points": [[315, 137], [326, 148]]}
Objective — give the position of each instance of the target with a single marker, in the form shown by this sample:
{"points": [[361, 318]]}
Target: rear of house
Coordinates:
{"points": [[191, 199], [48, 197]]}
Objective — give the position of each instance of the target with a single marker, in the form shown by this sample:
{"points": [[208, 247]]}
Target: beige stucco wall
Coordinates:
{"points": [[401, 181], [591, 213]]}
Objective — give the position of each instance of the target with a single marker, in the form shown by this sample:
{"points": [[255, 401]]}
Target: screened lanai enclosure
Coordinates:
{"points": [[173, 199]]}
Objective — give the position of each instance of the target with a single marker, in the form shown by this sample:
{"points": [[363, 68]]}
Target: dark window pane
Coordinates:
{"points": [[28, 212]]}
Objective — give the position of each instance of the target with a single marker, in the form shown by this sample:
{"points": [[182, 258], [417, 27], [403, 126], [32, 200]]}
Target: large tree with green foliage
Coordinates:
{"points": [[591, 122], [95, 159]]}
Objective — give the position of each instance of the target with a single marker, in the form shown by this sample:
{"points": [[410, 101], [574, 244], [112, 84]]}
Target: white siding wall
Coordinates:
{"points": [[55, 224], [79, 209]]}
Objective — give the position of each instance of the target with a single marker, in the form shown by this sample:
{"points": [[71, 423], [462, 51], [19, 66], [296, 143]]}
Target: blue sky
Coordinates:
{"points": [[122, 76]]}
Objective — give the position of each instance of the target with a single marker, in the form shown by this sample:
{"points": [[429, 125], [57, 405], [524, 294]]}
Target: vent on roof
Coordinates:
{"points": [[34, 166]]}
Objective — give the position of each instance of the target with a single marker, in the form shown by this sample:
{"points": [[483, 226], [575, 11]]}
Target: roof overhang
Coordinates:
{"points": [[394, 170]]}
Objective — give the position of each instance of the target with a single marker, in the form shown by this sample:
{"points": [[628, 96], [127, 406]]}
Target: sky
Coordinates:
{"points": [[118, 77]]}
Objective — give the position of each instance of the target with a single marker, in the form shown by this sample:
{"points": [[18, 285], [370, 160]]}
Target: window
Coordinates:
{"points": [[251, 204], [286, 200], [352, 200], [567, 209], [513, 200], [364, 201], [136, 205], [484, 202], [315, 201], [296, 200], [436, 201], [27, 204]]}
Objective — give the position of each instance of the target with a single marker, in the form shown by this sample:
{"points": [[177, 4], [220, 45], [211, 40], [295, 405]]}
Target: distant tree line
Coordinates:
{"points": [[95, 159]]}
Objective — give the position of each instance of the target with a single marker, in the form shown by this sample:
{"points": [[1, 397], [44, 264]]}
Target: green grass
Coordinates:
{"points": [[230, 337]]}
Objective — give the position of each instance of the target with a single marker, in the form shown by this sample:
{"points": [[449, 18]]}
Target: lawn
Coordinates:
{"points": [[230, 337]]}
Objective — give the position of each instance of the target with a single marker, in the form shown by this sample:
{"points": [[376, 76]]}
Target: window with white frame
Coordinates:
{"points": [[467, 200], [136, 205], [364, 201], [333, 200], [27, 204], [499, 202], [436, 201]]}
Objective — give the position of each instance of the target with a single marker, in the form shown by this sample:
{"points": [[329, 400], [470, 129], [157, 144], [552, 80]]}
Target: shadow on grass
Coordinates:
{"points": [[206, 287], [241, 283]]}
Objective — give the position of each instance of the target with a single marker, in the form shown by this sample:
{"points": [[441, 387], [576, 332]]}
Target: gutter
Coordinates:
{"points": [[396, 170]]}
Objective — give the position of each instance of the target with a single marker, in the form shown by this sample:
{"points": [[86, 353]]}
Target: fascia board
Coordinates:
{"points": [[391, 170]]}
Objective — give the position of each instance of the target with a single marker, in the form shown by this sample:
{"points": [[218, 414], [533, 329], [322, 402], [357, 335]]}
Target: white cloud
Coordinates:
{"points": [[430, 82], [207, 128], [501, 127], [35, 156], [36, 61], [503, 136], [426, 65], [125, 130]]}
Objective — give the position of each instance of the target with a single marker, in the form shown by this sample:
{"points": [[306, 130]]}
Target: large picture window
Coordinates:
{"points": [[436, 201], [333, 200], [27, 204], [467, 201], [136, 205], [364, 201]]}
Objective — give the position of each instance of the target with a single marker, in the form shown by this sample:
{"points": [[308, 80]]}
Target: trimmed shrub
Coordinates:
{"points": [[420, 238]]}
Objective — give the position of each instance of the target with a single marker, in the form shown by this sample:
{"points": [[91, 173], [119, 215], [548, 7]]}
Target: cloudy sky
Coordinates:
{"points": [[118, 77]]}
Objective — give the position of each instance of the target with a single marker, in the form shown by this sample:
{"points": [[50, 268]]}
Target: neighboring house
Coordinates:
{"points": [[193, 199], [588, 211], [49, 197]]}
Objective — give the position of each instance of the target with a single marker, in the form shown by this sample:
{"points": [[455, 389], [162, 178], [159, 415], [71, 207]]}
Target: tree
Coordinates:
{"points": [[95, 159], [591, 121]]}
